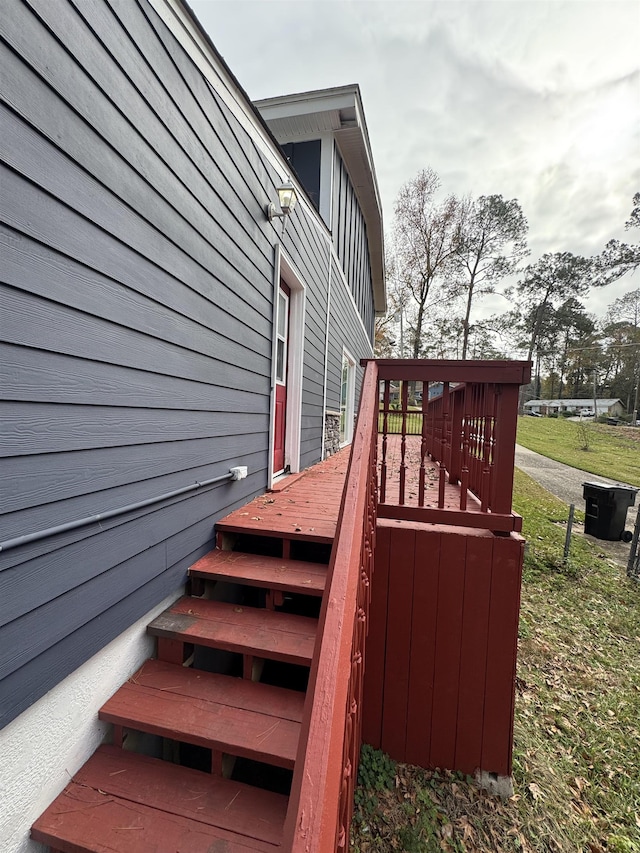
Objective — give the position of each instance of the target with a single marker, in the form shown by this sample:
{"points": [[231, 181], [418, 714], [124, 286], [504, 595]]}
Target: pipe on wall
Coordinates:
{"points": [[234, 474]]}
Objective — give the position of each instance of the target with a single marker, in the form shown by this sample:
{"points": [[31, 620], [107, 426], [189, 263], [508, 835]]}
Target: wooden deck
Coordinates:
{"points": [[255, 633], [447, 512], [306, 510], [412, 462]]}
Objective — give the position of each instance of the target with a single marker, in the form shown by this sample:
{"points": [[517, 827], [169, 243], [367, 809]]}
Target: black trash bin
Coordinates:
{"points": [[606, 510]]}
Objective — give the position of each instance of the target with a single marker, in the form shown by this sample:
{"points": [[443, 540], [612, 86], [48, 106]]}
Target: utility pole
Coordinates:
{"points": [[637, 399], [595, 396]]}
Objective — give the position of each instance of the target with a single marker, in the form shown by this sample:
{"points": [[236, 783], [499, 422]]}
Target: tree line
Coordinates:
{"points": [[445, 253]]}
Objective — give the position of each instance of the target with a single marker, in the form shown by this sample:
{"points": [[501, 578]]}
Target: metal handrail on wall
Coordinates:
{"points": [[321, 801], [238, 473]]}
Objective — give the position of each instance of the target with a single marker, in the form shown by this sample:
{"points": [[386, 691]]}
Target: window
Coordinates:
{"points": [[305, 159], [281, 339], [347, 397]]}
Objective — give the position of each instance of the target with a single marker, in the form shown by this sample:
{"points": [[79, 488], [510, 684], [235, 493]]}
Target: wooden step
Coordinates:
{"points": [[121, 801], [253, 631], [227, 715], [273, 573]]}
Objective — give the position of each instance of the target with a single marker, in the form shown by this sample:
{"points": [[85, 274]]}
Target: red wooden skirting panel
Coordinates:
{"points": [[376, 642], [501, 654], [423, 643], [447, 652], [398, 646], [442, 644], [473, 653]]}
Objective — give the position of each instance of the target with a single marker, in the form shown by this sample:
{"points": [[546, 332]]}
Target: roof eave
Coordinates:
{"points": [[353, 142]]}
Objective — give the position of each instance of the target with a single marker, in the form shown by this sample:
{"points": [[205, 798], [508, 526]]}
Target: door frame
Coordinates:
{"points": [[285, 269]]}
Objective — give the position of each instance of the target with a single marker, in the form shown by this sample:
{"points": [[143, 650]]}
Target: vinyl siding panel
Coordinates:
{"points": [[136, 284], [350, 240]]}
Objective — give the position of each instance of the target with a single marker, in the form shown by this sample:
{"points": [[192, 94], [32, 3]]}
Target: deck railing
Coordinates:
{"points": [[468, 429], [321, 800], [463, 419]]}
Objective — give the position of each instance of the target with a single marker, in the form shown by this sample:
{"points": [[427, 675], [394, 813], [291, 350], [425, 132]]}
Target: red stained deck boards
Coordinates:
{"points": [[257, 570], [248, 630], [123, 801], [228, 715]]}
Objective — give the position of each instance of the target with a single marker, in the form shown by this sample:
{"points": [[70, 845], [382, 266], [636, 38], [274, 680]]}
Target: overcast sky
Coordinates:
{"points": [[537, 100]]}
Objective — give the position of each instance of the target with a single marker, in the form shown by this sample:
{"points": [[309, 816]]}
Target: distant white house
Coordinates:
{"points": [[611, 407]]}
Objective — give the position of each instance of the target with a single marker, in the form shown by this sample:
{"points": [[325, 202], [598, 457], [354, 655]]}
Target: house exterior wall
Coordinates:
{"points": [[350, 239], [138, 272], [45, 746]]}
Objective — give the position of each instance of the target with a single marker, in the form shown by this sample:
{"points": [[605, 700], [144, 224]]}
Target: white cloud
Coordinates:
{"points": [[534, 99]]}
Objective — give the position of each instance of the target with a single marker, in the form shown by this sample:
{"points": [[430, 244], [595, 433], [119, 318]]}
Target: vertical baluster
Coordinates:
{"points": [[466, 427], [423, 441], [433, 442], [487, 414], [442, 473], [477, 434], [403, 442], [493, 419], [448, 428], [385, 429], [455, 448]]}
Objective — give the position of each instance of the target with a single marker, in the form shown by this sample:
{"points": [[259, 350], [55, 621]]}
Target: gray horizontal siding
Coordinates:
{"points": [[64, 477], [136, 283], [24, 686], [346, 331]]}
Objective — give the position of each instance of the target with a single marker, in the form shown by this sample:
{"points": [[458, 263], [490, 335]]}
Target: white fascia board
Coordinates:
{"points": [[305, 103]]}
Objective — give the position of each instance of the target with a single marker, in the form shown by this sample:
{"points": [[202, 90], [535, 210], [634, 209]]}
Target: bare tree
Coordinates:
{"points": [[622, 327], [618, 258], [491, 243], [426, 235], [552, 280]]}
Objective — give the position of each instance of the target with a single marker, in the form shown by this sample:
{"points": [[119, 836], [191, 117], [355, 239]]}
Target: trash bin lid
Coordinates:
{"points": [[603, 492], [607, 486]]}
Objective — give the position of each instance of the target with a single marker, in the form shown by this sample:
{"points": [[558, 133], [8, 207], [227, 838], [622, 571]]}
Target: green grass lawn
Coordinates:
{"points": [[607, 451], [394, 422], [577, 720]]}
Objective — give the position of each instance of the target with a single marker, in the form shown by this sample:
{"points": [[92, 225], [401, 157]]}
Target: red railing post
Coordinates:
{"points": [[504, 447]]}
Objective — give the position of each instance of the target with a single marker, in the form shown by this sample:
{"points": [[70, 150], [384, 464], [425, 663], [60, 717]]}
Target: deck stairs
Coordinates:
{"points": [[222, 703]]}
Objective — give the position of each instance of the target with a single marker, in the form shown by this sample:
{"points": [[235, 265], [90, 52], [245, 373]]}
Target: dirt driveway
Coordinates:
{"points": [[566, 483]]}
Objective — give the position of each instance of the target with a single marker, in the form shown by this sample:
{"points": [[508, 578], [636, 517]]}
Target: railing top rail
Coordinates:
{"points": [[317, 781], [427, 370]]}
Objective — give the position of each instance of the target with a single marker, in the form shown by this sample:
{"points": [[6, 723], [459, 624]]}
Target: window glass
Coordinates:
{"points": [[281, 338]]}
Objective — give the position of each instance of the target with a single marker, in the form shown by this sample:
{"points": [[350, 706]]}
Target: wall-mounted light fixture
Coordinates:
{"points": [[287, 198]]}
